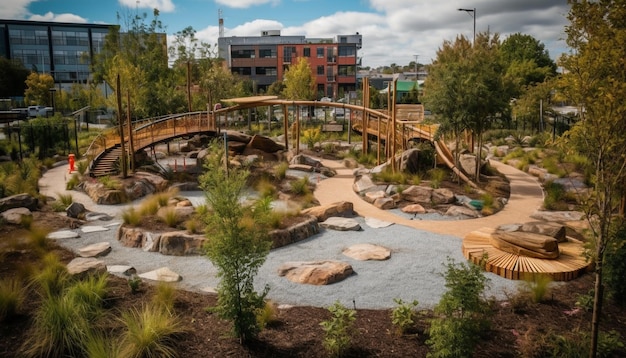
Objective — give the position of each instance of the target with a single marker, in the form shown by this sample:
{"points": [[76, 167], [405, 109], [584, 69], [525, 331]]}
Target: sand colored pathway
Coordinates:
{"points": [[526, 197]]}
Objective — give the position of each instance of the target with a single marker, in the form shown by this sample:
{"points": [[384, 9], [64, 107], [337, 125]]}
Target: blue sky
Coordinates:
{"points": [[394, 31]]}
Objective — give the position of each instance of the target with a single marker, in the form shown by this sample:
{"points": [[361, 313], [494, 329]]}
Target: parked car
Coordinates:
{"points": [[39, 111]]}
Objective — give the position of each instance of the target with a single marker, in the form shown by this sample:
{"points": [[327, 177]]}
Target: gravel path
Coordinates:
{"points": [[414, 270]]}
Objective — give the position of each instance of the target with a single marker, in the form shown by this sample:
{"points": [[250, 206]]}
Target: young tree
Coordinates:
{"points": [[299, 81], [237, 244], [467, 88], [462, 312], [38, 87], [596, 80]]}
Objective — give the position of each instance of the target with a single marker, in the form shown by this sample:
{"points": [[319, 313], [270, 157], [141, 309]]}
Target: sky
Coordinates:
{"points": [[394, 31]]}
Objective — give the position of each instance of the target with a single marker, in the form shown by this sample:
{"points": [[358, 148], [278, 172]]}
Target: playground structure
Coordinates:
{"points": [[400, 125]]}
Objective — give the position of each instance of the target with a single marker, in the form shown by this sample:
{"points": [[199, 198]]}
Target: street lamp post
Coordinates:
{"points": [[472, 13]]}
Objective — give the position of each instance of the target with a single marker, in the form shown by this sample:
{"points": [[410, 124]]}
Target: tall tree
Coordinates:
{"points": [[467, 87], [237, 242], [12, 78], [299, 81], [595, 79], [139, 56], [38, 87]]}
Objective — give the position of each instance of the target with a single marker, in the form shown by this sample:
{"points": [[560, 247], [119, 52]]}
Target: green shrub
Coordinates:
{"points": [[150, 332], [164, 296], [280, 170], [551, 164], [134, 282], [12, 295], [403, 315], [110, 183], [267, 315], [338, 330], [461, 312], [59, 328], [170, 217], [585, 300], [72, 182], [437, 175], [615, 267], [312, 136], [537, 287], [554, 196], [131, 216], [82, 166], [300, 186], [52, 278]]}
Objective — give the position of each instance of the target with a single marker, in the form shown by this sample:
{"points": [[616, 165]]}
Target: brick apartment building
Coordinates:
{"points": [[264, 59]]}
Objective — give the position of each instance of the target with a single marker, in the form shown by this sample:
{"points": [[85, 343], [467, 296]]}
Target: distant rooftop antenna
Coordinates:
{"points": [[220, 21]]}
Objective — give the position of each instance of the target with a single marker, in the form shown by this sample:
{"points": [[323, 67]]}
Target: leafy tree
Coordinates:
{"points": [[237, 244], [466, 86], [276, 88], [526, 107], [139, 56], [462, 312], [38, 89], [527, 59], [299, 81], [595, 79], [12, 78]]}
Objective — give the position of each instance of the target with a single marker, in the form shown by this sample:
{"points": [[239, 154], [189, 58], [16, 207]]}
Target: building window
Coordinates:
{"points": [[320, 70], [288, 53], [243, 54], [347, 51], [266, 53], [343, 39], [307, 52], [243, 71], [349, 70], [320, 52], [330, 74], [266, 71], [330, 55]]}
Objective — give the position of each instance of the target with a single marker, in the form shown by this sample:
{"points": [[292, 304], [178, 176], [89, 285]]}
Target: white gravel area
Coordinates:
{"points": [[414, 270]]}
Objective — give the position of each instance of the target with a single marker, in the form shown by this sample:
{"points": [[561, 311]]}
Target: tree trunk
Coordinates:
{"points": [[597, 304]]}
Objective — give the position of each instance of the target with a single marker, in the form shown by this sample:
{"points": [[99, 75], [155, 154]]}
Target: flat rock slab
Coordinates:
{"points": [[83, 265], [125, 270], [97, 217], [63, 234], [95, 250], [377, 223], [163, 274], [559, 216], [364, 252], [341, 224], [315, 272], [414, 209], [93, 228], [14, 216]]}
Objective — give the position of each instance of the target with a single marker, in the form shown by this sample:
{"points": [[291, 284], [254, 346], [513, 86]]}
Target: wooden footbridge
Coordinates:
{"points": [[106, 150]]}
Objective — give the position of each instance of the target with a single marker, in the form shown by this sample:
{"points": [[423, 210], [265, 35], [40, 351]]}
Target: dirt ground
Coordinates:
{"points": [[519, 328]]}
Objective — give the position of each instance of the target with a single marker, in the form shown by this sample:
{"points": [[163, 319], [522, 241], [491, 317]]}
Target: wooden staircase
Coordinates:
{"points": [[107, 163]]}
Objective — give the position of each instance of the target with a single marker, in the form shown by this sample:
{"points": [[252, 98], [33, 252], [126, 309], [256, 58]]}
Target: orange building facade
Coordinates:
{"points": [[264, 59]]}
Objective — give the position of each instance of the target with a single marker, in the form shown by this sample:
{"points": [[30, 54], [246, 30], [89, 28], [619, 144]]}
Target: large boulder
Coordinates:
{"points": [[414, 209], [341, 224], [179, 243], [364, 252], [460, 211], [74, 210], [234, 136], [417, 194], [551, 229], [85, 266], [323, 212], [558, 216], [305, 160], [16, 215], [363, 184], [372, 196], [385, 203], [264, 144], [18, 201], [294, 233], [410, 161], [443, 196], [315, 272]]}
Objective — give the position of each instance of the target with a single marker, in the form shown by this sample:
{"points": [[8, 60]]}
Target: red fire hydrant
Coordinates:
{"points": [[71, 160]]}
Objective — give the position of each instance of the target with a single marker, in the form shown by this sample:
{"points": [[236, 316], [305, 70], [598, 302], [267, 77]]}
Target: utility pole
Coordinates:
{"points": [[415, 65]]}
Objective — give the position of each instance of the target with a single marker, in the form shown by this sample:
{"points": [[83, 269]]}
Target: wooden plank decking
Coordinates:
{"points": [[568, 266]]}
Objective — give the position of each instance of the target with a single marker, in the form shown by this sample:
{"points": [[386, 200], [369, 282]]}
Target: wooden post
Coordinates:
{"points": [[131, 144], [297, 139], [286, 125], [393, 125], [189, 85], [118, 94]]}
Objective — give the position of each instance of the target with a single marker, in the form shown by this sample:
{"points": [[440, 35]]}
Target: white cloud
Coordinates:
{"points": [[14, 9], [50, 16], [162, 5], [244, 4]]}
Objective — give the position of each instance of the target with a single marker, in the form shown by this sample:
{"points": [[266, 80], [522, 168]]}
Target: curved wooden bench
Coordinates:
{"points": [[569, 265]]}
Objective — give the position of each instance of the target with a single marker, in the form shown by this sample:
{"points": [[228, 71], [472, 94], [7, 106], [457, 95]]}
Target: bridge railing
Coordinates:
{"points": [[151, 130]]}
